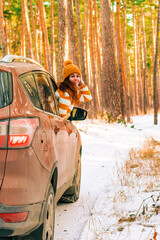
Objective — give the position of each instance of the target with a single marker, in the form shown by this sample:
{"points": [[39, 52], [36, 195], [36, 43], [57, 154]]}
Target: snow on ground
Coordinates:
{"points": [[102, 199]]}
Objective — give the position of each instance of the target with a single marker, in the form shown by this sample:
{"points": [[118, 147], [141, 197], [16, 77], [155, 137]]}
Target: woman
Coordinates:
{"points": [[72, 90]]}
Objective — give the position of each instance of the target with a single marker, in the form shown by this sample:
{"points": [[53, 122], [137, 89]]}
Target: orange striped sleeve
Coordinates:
{"points": [[84, 94]]}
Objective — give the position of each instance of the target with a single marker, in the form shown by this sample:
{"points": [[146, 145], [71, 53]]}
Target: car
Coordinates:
{"points": [[40, 152]]}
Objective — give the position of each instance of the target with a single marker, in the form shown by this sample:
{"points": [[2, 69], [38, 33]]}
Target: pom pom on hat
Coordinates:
{"points": [[70, 68], [68, 62]]}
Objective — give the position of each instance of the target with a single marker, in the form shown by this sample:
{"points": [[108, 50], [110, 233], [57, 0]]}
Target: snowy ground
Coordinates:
{"points": [[102, 199]]}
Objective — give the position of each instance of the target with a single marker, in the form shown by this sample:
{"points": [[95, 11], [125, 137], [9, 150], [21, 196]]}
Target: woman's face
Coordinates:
{"points": [[75, 78]]}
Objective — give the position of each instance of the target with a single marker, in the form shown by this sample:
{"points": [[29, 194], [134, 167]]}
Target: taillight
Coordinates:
{"points": [[3, 133], [14, 217], [21, 132]]}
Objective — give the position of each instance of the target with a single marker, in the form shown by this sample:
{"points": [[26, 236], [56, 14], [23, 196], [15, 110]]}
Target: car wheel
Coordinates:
{"points": [[49, 216], [72, 194]]}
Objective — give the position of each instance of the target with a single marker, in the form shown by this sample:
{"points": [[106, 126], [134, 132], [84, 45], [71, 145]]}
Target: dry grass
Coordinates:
{"points": [[142, 167]]}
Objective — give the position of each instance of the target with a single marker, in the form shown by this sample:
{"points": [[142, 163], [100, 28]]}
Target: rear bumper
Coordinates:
{"points": [[32, 221]]}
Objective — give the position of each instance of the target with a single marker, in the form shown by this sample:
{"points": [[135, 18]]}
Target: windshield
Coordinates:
{"points": [[5, 89]]}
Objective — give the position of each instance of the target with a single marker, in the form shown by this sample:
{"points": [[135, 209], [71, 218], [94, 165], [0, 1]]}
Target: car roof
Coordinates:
{"points": [[20, 67]]}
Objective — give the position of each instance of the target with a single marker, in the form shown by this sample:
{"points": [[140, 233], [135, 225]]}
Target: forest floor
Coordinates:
{"points": [[120, 185]]}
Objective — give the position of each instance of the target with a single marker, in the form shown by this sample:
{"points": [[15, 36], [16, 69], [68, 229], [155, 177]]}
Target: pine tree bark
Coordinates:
{"points": [[155, 99], [98, 56], [23, 48], [6, 30], [86, 44], [144, 64], [81, 45], [81, 49], [124, 104], [61, 39], [94, 88], [40, 50], [153, 32], [53, 54], [71, 32], [139, 82], [135, 61], [27, 28], [125, 59], [34, 31], [46, 48], [2, 30], [110, 94]]}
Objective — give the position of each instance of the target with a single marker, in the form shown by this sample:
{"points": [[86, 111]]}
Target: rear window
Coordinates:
{"points": [[5, 89]]}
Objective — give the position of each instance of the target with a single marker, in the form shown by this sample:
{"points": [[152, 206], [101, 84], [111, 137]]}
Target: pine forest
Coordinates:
{"points": [[115, 44]]}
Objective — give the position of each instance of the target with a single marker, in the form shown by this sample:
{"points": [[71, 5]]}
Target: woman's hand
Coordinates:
{"points": [[81, 83]]}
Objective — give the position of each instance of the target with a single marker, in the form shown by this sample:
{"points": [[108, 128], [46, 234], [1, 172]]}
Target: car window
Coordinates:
{"points": [[45, 92], [5, 89], [30, 86]]}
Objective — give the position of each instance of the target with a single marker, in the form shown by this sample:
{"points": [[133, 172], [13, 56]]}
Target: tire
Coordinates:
{"points": [[49, 216], [72, 194]]}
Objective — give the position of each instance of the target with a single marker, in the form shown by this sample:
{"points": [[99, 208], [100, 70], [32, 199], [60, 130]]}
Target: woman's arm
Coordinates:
{"points": [[84, 94], [64, 103]]}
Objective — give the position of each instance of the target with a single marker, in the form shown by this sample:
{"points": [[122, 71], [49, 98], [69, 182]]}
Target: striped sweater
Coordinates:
{"points": [[66, 103]]}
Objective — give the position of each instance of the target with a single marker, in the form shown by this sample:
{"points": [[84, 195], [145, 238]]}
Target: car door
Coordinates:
{"points": [[71, 153], [5, 101], [58, 132], [69, 141]]}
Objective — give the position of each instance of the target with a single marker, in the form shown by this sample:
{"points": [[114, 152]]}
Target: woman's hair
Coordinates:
{"points": [[71, 88]]}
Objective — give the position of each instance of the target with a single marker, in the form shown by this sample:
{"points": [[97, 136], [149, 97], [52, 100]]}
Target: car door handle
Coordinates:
{"points": [[56, 129]]}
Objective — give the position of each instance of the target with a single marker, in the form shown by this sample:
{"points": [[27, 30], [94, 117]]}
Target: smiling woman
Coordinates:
{"points": [[72, 90]]}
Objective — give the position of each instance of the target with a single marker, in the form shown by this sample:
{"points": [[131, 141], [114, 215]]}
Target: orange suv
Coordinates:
{"points": [[40, 152]]}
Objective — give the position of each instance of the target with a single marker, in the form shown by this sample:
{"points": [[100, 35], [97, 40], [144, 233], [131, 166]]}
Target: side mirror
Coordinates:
{"points": [[77, 114]]}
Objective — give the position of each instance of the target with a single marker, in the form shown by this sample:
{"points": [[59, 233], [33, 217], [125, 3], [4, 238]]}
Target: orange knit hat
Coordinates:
{"points": [[69, 68]]}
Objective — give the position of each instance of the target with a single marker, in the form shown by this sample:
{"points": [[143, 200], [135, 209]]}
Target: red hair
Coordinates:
{"points": [[71, 88]]}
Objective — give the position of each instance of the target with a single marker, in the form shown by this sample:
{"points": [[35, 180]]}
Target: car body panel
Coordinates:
{"points": [[25, 178]]}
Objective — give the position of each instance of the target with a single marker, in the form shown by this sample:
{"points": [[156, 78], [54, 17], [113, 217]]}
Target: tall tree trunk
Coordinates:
{"points": [[23, 48], [86, 43], [2, 30], [125, 61], [40, 50], [27, 27], [81, 45], [139, 82], [98, 56], [61, 39], [53, 54], [144, 64], [155, 70], [94, 87], [111, 85], [152, 31], [34, 31], [135, 61], [71, 33], [124, 105], [46, 48], [81, 48], [6, 30]]}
